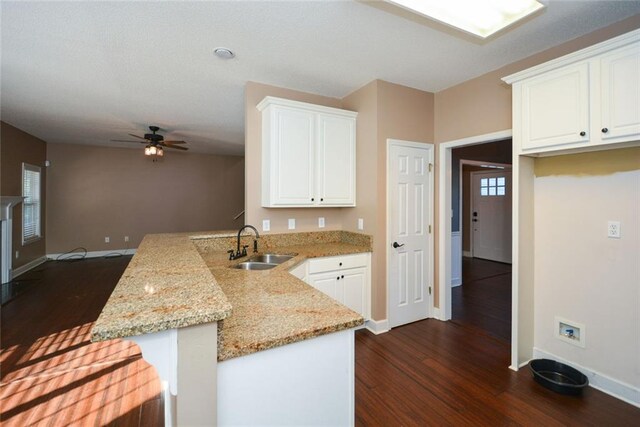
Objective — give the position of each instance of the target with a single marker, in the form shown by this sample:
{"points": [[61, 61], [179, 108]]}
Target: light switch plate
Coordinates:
{"points": [[360, 224], [292, 223], [266, 225], [321, 222]]}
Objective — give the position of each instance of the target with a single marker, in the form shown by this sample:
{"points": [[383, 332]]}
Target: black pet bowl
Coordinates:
{"points": [[558, 377]]}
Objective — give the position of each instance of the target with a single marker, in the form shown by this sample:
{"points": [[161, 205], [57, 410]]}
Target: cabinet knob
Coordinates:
{"points": [[312, 199], [342, 277], [338, 278], [322, 199], [583, 133], [605, 130], [340, 264]]}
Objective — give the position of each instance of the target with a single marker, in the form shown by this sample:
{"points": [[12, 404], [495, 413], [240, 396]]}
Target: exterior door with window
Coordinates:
{"points": [[491, 215]]}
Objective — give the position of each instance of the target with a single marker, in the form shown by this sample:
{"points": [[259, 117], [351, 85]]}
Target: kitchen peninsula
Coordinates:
{"points": [[237, 346]]}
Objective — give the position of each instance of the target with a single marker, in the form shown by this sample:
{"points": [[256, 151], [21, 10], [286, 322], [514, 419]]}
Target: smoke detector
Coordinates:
{"points": [[224, 53]]}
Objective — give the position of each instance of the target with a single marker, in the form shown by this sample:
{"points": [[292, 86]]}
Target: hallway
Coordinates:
{"points": [[483, 301]]}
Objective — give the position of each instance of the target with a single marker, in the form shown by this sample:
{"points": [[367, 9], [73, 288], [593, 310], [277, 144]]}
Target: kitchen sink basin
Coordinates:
{"points": [[271, 258], [254, 265]]}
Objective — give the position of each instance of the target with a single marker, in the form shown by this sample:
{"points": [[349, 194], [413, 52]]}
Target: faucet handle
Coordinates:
{"points": [[230, 252], [244, 250]]}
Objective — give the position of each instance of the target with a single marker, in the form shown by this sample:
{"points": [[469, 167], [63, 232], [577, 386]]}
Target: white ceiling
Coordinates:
{"points": [[89, 72]]}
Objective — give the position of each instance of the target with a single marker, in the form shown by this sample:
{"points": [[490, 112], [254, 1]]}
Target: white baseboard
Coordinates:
{"points": [[467, 254], [94, 254], [377, 326], [616, 388], [28, 266], [436, 313]]}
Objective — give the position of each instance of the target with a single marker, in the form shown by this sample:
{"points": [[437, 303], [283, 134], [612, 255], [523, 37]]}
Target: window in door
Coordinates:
{"points": [[493, 186], [31, 206]]}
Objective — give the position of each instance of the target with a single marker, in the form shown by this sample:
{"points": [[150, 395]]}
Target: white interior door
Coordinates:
{"points": [[491, 215], [409, 207]]}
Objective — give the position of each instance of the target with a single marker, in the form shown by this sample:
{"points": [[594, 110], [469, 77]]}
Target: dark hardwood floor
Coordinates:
{"points": [[52, 375], [483, 301], [425, 373]]}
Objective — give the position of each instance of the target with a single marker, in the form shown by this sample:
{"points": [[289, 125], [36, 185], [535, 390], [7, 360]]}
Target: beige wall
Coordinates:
{"points": [[306, 219], [100, 191], [580, 274], [18, 147]]}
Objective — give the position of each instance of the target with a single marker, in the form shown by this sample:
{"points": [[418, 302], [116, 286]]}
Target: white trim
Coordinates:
{"points": [[583, 54], [456, 258], [604, 383], [377, 326], [436, 313], [430, 213], [28, 266], [444, 211], [467, 254], [95, 254], [272, 100]]}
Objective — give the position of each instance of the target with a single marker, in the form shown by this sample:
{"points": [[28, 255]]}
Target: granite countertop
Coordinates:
{"points": [[178, 280]]}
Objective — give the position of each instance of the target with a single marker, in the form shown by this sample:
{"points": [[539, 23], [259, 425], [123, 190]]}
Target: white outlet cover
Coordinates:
{"points": [[292, 223], [321, 222], [360, 224], [126, 238], [106, 240], [266, 225], [613, 229]]}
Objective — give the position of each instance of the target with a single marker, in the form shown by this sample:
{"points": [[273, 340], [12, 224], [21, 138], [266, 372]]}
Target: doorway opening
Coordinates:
{"points": [[481, 237]]}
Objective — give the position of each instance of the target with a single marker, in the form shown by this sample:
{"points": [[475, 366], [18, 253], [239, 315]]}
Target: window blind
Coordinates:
{"points": [[31, 206]]}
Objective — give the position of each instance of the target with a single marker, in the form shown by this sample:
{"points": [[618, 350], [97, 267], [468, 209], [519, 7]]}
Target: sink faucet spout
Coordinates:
{"points": [[255, 241]]}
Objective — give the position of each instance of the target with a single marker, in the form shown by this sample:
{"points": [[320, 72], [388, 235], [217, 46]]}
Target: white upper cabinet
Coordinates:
{"points": [[308, 155], [587, 100]]}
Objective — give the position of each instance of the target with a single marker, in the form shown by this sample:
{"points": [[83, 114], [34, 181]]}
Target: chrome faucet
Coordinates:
{"points": [[240, 254]]}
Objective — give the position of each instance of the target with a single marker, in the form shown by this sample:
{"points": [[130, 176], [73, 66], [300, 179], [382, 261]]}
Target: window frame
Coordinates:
{"points": [[27, 167]]}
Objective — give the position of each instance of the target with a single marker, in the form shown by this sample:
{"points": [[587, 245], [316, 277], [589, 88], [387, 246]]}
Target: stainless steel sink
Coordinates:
{"points": [[271, 258], [253, 265]]}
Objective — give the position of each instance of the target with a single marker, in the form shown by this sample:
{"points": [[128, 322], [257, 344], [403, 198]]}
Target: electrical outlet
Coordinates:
{"points": [[360, 224], [292, 223], [266, 225], [107, 240], [613, 229], [17, 254], [321, 222], [126, 238]]}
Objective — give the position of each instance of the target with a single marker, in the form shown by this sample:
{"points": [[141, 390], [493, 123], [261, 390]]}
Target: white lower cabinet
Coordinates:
{"points": [[347, 279]]}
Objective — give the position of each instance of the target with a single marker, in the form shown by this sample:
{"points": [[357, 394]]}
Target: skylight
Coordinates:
{"points": [[481, 18]]}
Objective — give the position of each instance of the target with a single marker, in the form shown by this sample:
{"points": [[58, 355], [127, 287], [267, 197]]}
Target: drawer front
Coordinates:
{"points": [[318, 265]]}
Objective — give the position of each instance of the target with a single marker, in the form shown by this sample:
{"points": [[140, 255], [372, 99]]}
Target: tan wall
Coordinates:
{"points": [[98, 191], [580, 274], [17, 147], [483, 105], [306, 219]]}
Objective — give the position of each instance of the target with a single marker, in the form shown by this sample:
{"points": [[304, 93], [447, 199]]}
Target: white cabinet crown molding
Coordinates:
{"points": [[580, 55], [272, 100]]}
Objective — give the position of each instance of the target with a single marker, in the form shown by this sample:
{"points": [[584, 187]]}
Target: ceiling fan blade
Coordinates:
{"points": [[177, 147], [175, 142], [136, 136], [128, 140]]}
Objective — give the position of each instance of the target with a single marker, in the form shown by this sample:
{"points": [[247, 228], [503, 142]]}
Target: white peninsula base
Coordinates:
{"points": [[309, 382]]}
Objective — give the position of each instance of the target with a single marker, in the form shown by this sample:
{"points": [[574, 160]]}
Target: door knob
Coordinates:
{"points": [[396, 245]]}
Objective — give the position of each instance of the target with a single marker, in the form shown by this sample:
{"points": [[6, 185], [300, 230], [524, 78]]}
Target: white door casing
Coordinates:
{"points": [[409, 214], [491, 215]]}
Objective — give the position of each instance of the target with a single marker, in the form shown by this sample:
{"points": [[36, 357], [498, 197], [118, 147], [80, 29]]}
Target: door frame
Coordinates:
{"points": [[430, 220], [492, 166], [444, 231]]}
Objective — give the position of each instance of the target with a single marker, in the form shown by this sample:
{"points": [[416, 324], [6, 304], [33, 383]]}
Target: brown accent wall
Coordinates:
{"points": [[306, 218], [18, 147], [101, 191]]}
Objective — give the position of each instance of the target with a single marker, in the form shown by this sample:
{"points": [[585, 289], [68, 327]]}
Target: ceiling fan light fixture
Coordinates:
{"points": [[160, 152], [147, 150]]}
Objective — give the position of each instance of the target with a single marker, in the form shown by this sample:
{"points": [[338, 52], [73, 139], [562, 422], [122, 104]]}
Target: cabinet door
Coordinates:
{"points": [[291, 158], [620, 94], [328, 283], [555, 108], [336, 154], [354, 283]]}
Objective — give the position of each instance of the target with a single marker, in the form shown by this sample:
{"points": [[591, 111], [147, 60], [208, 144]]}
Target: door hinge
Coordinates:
{"points": [[429, 228], [430, 167], [429, 290]]}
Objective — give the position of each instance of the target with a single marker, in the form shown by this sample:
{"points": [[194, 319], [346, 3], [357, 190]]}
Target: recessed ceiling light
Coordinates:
{"points": [[481, 18], [224, 53]]}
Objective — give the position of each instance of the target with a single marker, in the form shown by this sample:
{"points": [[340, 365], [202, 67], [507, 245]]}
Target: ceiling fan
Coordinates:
{"points": [[155, 142]]}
